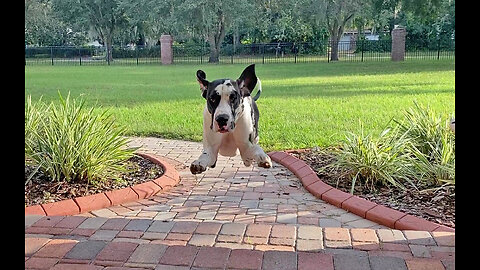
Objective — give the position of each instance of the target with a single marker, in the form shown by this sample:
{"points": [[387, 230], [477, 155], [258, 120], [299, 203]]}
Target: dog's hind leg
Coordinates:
{"points": [[250, 152]]}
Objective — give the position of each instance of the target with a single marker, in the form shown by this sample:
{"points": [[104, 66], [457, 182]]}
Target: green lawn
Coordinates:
{"points": [[302, 105]]}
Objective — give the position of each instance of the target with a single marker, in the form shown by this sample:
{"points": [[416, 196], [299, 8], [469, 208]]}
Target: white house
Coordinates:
{"points": [[94, 43], [349, 38]]}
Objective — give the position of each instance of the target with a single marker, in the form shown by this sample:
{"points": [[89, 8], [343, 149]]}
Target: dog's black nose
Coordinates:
{"points": [[221, 120]]}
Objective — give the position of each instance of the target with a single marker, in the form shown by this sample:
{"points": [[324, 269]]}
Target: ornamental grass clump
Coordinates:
{"points": [[418, 151], [432, 144], [374, 161], [33, 116], [69, 142]]}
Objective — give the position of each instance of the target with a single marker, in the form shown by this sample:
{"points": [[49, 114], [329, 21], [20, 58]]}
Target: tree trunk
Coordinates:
{"points": [[215, 39], [214, 53], [336, 21], [335, 39], [236, 39], [108, 43]]}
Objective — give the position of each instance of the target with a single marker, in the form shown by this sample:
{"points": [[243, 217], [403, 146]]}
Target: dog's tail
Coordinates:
{"points": [[259, 90]]}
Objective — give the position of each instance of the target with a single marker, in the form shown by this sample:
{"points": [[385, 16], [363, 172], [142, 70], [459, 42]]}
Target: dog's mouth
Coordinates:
{"points": [[223, 129]]}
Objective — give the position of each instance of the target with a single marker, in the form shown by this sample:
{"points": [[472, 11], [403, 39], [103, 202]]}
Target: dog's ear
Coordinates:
{"points": [[201, 78], [247, 81]]}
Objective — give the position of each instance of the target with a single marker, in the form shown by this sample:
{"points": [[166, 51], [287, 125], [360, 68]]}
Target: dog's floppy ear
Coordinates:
{"points": [[201, 78], [247, 81]]}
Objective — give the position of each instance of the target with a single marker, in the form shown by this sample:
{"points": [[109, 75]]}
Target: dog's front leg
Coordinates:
{"points": [[208, 158], [211, 144], [262, 159]]}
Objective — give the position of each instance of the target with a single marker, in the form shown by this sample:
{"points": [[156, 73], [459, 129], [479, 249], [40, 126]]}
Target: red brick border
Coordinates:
{"points": [[378, 213], [169, 179]]}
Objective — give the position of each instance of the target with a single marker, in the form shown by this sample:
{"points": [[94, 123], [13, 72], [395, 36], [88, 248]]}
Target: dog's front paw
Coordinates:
{"points": [[247, 162], [196, 168], [265, 161]]}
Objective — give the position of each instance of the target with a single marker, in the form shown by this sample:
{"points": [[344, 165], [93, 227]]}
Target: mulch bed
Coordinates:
{"points": [[433, 204], [42, 190]]}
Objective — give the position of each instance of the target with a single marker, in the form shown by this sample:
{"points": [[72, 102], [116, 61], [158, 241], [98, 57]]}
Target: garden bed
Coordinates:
{"points": [[42, 190], [433, 204]]}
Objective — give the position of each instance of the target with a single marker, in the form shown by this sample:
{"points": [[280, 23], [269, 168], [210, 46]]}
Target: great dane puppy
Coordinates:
{"points": [[230, 121]]}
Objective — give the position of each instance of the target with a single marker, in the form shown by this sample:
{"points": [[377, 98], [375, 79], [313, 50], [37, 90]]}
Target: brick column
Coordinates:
{"points": [[398, 44], [166, 49]]}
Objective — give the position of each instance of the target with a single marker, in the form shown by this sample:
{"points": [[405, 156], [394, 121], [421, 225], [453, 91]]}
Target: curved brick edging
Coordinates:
{"points": [[369, 210], [169, 179]]}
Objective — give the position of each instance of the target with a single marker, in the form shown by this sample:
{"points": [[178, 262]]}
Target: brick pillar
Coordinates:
{"points": [[166, 50], [398, 44]]}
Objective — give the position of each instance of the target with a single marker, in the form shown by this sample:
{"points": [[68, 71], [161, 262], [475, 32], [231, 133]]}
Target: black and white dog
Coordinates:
{"points": [[230, 121]]}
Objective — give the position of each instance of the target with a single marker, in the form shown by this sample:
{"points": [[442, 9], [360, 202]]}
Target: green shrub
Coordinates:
{"points": [[71, 143]]}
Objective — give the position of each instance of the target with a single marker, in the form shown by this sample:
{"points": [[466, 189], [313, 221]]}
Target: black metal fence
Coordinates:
{"points": [[68, 55], [321, 51], [425, 49]]}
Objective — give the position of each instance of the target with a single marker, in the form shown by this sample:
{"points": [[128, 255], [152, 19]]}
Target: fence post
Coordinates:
{"points": [[363, 42], [398, 44], [328, 51], [295, 51], [438, 49], [263, 54], [51, 54]]}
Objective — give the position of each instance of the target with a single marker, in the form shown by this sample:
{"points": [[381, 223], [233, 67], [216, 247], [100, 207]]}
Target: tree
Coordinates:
{"points": [[43, 28], [446, 22], [337, 14], [212, 19], [423, 10], [383, 14], [282, 21], [216, 22], [154, 17], [103, 16]]}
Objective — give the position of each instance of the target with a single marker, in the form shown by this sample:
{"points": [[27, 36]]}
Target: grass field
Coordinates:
{"points": [[302, 105]]}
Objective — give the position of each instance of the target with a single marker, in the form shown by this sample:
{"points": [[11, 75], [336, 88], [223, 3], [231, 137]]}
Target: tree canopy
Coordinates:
{"points": [[142, 22]]}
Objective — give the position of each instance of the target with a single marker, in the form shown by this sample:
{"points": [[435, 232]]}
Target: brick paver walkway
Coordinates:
{"points": [[231, 217]]}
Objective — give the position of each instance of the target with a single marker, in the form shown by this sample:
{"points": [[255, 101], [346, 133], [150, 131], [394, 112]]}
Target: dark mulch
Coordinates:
{"points": [[430, 203], [42, 190]]}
